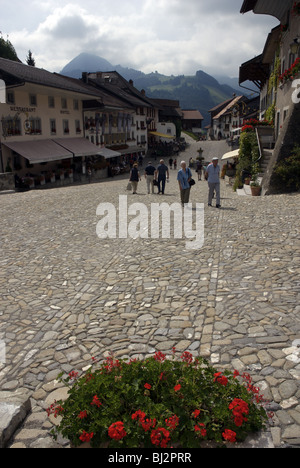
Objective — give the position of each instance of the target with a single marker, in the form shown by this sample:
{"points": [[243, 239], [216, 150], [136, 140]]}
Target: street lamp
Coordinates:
{"points": [[294, 46]]}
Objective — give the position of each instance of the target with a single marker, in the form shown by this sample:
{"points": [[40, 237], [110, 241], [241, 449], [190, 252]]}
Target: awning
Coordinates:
{"points": [[132, 150], [78, 146], [39, 151], [231, 154], [108, 153], [162, 135]]}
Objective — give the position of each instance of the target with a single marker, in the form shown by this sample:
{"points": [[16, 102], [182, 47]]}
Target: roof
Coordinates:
{"points": [[192, 115], [169, 108], [254, 70], [229, 106], [220, 106], [15, 73], [114, 84], [248, 5], [271, 45], [277, 8]]}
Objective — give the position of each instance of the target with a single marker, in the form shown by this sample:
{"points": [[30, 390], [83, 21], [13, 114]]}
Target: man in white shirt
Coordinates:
{"points": [[212, 176]]}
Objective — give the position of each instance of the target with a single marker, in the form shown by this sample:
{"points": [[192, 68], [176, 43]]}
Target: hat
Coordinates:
{"points": [[215, 159]]}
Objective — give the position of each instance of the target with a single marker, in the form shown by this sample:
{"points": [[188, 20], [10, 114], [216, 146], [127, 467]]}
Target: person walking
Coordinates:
{"points": [[199, 169], [184, 176], [161, 175], [149, 176], [134, 177], [212, 175]]}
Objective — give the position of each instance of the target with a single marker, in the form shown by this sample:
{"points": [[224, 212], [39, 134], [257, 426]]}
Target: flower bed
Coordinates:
{"points": [[158, 402]]}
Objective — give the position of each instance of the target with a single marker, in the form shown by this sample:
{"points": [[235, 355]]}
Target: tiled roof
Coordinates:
{"points": [[114, 84], [192, 115], [17, 73], [229, 106]]}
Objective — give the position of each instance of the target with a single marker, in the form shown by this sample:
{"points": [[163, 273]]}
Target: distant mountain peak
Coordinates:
{"points": [[86, 62], [201, 92]]}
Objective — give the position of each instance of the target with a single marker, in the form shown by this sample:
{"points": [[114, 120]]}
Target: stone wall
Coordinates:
{"points": [[287, 139], [7, 181]]}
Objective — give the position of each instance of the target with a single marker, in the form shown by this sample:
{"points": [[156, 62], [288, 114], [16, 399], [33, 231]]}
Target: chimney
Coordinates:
{"points": [[85, 78], [143, 92], [131, 82]]}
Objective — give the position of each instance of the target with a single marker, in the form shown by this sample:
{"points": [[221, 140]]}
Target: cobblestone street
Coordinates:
{"points": [[67, 295]]}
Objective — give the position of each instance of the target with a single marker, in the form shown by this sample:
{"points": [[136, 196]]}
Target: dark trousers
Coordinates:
{"points": [[162, 180]]}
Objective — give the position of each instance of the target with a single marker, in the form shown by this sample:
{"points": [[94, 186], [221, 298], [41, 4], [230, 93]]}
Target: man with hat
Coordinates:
{"points": [[212, 176]]}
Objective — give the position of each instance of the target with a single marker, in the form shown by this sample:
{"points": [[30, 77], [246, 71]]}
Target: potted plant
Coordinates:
{"points": [[157, 402], [254, 184], [29, 181]]}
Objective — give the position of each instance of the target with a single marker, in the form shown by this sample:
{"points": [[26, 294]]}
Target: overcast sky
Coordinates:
{"points": [[169, 36]]}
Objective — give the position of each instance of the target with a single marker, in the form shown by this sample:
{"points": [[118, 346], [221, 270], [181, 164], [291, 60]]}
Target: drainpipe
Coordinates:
{"points": [[1, 156]]}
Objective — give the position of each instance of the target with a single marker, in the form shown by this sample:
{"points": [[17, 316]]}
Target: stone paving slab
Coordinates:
{"points": [[14, 408], [67, 295]]}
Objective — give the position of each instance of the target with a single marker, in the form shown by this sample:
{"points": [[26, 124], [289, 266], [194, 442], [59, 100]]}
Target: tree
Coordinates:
{"points": [[7, 50], [30, 60]]}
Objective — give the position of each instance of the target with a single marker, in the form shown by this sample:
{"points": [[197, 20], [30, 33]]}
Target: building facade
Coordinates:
{"points": [[41, 125], [276, 73]]}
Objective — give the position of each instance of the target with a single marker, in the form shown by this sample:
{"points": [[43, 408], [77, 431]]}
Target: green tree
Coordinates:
{"points": [[7, 50], [30, 60]]}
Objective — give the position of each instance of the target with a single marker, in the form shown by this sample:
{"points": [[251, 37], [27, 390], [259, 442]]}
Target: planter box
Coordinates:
{"points": [[255, 191]]}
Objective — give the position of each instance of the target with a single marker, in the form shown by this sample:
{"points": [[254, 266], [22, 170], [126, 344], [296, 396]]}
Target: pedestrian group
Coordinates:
{"points": [[158, 176]]}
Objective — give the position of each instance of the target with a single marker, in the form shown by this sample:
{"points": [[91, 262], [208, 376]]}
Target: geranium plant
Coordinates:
{"points": [[291, 73], [296, 8], [158, 402]]}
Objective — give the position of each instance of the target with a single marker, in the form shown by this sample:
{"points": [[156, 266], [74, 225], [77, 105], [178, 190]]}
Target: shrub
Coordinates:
{"points": [[287, 171], [248, 155], [158, 402]]}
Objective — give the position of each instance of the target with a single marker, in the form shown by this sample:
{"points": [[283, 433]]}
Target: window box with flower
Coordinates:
{"points": [[296, 9], [291, 73], [157, 403]]}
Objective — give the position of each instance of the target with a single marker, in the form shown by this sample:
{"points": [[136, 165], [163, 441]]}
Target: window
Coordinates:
{"points": [[32, 100], [51, 102], [77, 126], [66, 127], [64, 103], [36, 126], [53, 126], [76, 104], [11, 126], [10, 98]]}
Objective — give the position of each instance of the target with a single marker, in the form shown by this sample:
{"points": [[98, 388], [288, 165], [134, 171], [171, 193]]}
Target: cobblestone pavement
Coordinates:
{"points": [[67, 295]]}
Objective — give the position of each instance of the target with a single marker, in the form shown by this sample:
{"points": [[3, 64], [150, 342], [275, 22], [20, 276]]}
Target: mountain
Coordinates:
{"points": [[201, 91]]}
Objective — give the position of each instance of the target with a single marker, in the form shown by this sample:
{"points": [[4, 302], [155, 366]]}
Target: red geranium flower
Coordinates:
{"points": [[177, 387], [116, 431], [196, 413], [82, 415], [229, 435], [159, 356], [221, 379], [172, 422], [200, 428], [160, 437], [147, 386], [96, 401], [86, 437]]}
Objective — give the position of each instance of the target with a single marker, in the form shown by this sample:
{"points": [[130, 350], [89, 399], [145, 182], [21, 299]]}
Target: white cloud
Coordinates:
{"points": [[170, 36]]}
